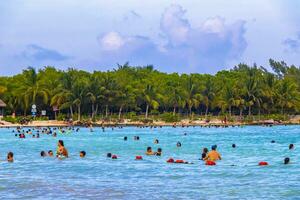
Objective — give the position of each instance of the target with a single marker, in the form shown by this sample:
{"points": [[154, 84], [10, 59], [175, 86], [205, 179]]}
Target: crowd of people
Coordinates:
{"points": [[209, 157]]}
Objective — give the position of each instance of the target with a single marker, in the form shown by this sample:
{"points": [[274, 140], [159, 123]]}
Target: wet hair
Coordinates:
{"points": [[83, 153], [43, 153], [61, 142], [50, 151], [233, 145], [286, 160], [205, 150], [156, 141], [125, 138], [149, 149], [273, 141], [214, 147], [291, 146], [137, 137], [178, 144], [108, 155], [159, 150]]}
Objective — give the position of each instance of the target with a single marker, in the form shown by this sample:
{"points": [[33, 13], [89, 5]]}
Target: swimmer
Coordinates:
{"points": [[10, 157], [204, 153], [286, 160], [178, 144], [43, 154], [50, 153], [273, 141], [61, 150], [82, 154], [159, 151], [125, 138], [108, 155], [156, 141], [213, 155], [291, 146], [233, 145], [149, 151]]}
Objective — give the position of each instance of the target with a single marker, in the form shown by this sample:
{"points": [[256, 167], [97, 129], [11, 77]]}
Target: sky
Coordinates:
{"points": [[185, 36]]}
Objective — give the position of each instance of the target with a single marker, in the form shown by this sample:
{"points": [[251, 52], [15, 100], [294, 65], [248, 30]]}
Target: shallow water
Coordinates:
{"points": [[97, 177]]}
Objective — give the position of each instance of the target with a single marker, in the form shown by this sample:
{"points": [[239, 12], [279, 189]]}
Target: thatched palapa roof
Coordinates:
{"points": [[2, 104]]}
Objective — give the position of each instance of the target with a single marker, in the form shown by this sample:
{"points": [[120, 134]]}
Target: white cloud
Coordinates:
{"points": [[207, 48], [111, 41]]}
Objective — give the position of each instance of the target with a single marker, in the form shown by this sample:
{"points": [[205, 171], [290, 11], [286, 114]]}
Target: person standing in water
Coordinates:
{"points": [[61, 150], [213, 155], [10, 157]]}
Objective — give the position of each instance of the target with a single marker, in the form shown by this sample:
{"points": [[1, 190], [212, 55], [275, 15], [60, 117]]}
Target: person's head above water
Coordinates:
{"points": [[178, 144], [108, 155], [60, 143], [205, 150], [125, 138], [82, 154], [149, 149], [156, 141], [214, 147], [10, 157], [286, 160], [43, 153], [233, 145], [50, 153], [273, 141], [291, 146]]}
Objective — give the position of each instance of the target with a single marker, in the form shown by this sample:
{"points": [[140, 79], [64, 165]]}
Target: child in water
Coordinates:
{"points": [[149, 151], [61, 150]]}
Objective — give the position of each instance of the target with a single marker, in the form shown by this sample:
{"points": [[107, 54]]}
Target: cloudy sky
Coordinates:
{"points": [[175, 36]]}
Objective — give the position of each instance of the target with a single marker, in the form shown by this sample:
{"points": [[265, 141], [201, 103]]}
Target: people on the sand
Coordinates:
{"points": [[149, 151], [82, 154], [61, 150], [213, 155], [10, 157], [204, 153]]}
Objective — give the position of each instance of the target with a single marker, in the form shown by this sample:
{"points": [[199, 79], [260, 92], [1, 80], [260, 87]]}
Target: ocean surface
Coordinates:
{"points": [[99, 177]]}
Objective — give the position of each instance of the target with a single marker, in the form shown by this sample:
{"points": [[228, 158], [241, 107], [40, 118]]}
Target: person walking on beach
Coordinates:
{"points": [[213, 155]]}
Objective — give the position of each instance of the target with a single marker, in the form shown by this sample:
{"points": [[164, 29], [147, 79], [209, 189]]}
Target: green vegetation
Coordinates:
{"points": [[129, 92]]}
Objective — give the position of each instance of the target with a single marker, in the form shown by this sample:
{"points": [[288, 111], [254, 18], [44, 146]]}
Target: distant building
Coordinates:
{"points": [[2, 106]]}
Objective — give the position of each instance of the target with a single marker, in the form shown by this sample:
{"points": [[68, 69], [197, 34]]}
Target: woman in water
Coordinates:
{"points": [[61, 152]]}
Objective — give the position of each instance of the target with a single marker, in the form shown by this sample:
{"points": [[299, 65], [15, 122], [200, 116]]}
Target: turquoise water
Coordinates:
{"points": [[97, 177]]}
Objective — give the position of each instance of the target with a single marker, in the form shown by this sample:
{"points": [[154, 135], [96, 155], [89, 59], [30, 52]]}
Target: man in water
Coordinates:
{"points": [[213, 155]]}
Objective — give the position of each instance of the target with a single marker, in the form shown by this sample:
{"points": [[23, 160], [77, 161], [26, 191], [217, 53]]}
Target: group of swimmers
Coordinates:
{"points": [[210, 157]]}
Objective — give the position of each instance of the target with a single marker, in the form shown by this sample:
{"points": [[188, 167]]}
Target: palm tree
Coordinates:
{"points": [[31, 88], [192, 95], [208, 94], [149, 96]]}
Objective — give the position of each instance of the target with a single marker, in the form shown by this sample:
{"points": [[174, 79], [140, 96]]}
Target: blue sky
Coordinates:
{"points": [[175, 36]]}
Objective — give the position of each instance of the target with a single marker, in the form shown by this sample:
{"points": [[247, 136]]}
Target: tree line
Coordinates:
{"points": [[243, 90]]}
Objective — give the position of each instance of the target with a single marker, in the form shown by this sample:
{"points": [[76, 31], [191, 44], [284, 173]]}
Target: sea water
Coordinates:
{"points": [[99, 177]]}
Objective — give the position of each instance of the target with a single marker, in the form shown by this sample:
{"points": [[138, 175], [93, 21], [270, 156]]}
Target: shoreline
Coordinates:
{"points": [[55, 123]]}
